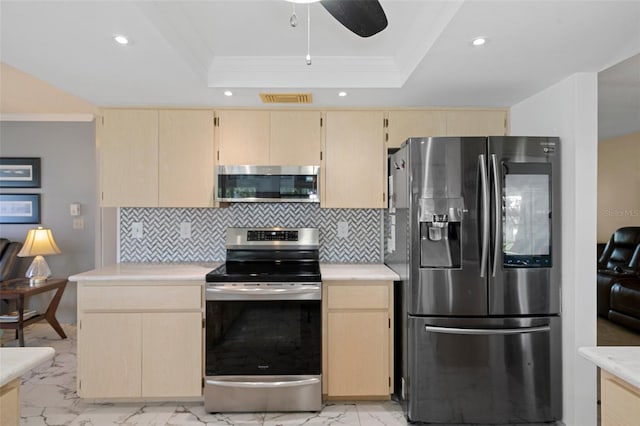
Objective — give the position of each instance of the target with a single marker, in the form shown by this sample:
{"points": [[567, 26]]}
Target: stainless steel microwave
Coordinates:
{"points": [[267, 184]]}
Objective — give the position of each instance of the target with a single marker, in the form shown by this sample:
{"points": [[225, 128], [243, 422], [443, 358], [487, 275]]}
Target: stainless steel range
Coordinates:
{"points": [[263, 323]]}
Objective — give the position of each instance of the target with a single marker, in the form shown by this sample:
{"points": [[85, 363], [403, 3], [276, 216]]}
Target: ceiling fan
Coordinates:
{"points": [[362, 17]]}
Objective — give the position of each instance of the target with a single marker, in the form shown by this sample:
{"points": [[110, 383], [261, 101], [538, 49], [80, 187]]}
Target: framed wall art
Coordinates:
{"points": [[19, 208], [19, 172]]}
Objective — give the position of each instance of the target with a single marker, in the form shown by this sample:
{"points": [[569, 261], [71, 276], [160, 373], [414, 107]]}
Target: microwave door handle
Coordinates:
{"points": [[497, 236], [484, 214]]}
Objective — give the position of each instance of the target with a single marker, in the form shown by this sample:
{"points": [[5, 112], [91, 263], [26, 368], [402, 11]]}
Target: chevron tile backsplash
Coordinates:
{"points": [[162, 243]]}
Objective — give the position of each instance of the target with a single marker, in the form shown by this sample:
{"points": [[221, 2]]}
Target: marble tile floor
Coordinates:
{"points": [[48, 397]]}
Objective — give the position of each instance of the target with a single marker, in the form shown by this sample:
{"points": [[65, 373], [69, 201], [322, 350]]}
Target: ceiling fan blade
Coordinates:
{"points": [[362, 17]]}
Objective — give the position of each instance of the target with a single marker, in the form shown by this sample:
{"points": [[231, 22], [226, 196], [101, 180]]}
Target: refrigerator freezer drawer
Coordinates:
{"points": [[482, 370]]}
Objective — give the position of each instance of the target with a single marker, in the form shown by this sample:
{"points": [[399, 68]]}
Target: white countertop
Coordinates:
{"points": [[197, 271], [356, 271], [14, 362], [621, 361], [149, 271]]}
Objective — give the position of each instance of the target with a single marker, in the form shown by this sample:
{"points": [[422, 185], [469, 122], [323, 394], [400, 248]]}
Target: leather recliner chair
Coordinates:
{"points": [[620, 260], [10, 265]]}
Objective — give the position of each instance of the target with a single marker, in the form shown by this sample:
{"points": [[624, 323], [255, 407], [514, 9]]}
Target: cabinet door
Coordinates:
{"points": [[358, 353], [407, 124], [186, 159], [109, 354], [128, 149], [620, 401], [296, 138], [476, 123], [358, 339], [243, 137], [172, 354], [355, 160]]}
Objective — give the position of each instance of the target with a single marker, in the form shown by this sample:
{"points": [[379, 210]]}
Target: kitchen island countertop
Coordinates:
{"points": [[620, 361], [151, 271], [17, 361]]}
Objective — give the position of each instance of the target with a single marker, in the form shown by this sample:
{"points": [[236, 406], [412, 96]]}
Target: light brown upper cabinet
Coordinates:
{"points": [[403, 125], [242, 137], [476, 122], [354, 161], [296, 138], [151, 158], [277, 138], [186, 159], [128, 149]]}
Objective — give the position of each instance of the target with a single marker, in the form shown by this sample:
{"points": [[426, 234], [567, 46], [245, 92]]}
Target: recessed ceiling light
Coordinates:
{"points": [[121, 39], [342, 94], [228, 93], [479, 41], [303, 1]]}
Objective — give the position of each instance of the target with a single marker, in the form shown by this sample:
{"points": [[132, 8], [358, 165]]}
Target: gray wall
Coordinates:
{"points": [[67, 151]]}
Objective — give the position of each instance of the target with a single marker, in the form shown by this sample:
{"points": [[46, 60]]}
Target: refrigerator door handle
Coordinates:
{"points": [[486, 331], [498, 217], [484, 214]]}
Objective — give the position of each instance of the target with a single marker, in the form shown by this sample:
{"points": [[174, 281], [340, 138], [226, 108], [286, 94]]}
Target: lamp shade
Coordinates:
{"points": [[39, 242]]}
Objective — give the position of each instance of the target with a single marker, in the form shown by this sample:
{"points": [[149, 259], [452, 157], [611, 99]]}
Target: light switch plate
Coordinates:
{"points": [[185, 230], [74, 209], [343, 229], [136, 230]]}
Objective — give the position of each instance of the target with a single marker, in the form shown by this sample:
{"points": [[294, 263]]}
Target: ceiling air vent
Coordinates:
{"points": [[286, 98]]}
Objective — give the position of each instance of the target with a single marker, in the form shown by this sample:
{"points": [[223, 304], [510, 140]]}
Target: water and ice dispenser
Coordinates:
{"points": [[440, 245]]}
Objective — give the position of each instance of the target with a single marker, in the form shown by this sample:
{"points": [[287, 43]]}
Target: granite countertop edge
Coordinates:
{"points": [[159, 271], [621, 361], [17, 361]]}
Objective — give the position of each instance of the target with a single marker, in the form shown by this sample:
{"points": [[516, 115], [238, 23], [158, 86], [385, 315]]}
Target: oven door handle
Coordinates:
{"points": [[308, 292], [259, 385]]}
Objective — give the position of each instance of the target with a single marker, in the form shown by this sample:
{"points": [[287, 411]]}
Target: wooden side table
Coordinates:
{"points": [[19, 289]]}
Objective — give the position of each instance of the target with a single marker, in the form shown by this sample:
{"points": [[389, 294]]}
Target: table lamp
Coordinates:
{"points": [[39, 242]]}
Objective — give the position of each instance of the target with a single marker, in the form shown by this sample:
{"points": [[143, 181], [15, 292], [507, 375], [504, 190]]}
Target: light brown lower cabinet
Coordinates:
{"points": [[620, 401], [358, 339], [139, 341], [10, 403]]}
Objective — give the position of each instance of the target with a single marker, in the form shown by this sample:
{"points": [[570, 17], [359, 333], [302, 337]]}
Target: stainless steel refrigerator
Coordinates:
{"points": [[473, 230]]}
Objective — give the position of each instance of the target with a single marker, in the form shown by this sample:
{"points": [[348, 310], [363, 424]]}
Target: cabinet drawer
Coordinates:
{"points": [[368, 295], [143, 297]]}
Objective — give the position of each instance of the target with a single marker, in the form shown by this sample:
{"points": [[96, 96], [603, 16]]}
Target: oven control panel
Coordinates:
{"points": [[272, 238], [272, 235]]}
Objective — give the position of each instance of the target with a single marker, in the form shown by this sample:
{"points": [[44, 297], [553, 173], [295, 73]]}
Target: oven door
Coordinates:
{"points": [[263, 347]]}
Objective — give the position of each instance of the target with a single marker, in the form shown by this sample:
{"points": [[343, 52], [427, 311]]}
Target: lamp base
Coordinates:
{"points": [[37, 280], [38, 271]]}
